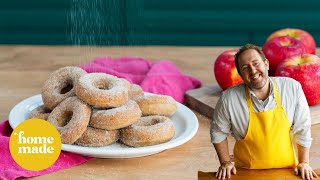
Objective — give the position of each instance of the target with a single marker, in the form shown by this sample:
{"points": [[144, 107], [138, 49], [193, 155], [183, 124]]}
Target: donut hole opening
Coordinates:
{"points": [[66, 88], [103, 85], [45, 110], [152, 122], [65, 118]]}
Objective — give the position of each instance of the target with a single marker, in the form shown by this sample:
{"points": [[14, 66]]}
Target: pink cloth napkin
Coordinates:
{"points": [[161, 77], [9, 169]]}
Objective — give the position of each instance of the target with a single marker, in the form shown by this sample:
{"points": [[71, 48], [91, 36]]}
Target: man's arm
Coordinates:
{"points": [[222, 151], [302, 120], [302, 132], [226, 166], [220, 128], [303, 154], [303, 167]]}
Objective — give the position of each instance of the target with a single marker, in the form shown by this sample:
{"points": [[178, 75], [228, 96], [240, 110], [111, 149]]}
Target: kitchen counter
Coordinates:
{"points": [[23, 70]]}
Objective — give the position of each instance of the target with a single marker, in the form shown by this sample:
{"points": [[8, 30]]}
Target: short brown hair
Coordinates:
{"points": [[244, 48]]}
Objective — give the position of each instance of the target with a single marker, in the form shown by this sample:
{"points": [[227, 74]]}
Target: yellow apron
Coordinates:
{"points": [[267, 143]]}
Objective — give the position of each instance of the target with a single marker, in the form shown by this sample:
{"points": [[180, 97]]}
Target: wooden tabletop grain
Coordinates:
{"points": [[23, 70]]}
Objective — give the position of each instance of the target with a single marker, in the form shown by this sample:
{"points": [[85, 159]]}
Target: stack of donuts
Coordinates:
{"points": [[98, 109]]}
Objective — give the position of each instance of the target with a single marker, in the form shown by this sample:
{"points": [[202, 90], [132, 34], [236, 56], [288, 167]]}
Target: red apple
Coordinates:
{"points": [[305, 69], [225, 70], [298, 34], [280, 48]]}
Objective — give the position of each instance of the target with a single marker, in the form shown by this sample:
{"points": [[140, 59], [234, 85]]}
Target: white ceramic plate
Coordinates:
{"points": [[185, 121]]}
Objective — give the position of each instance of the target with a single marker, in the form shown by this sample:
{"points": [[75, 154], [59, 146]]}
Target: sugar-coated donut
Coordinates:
{"points": [[103, 90], [127, 84], [116, 118], [40, 112], [60, 85], [156, 105], [94, 137], [71, 118], [135, 91], [149, 130]]}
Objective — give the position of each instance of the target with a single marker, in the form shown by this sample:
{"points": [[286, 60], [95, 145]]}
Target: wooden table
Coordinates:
{"points": [[23, 70]]}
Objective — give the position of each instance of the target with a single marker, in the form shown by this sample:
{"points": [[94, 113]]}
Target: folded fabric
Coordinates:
{"points": [[9, 169], [160, 77]]}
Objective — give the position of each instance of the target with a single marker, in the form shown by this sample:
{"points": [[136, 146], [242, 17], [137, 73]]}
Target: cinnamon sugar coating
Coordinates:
{"points": [[149, 130], [40, 112], [103, 90], [135, 91], [71, 118], [60, 85], [116, 118], [156, 105], [94, 137]]}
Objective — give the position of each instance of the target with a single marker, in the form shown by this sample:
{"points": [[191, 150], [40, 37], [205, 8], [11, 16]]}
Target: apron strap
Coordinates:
{"points": [[276, 96], [249, 102]]}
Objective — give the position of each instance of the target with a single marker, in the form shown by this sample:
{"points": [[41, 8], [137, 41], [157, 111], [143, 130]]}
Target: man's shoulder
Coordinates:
{"points": [[285, 81], [233, 91], [287, 84]]}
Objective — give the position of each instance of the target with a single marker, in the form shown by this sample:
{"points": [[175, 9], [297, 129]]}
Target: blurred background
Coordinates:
{"points": [[153, 22]]}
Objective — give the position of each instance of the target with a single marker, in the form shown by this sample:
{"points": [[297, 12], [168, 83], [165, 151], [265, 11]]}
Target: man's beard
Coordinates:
{"points": [[261, 83]]}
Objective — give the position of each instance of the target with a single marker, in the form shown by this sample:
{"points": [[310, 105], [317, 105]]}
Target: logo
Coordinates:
{"points": [[35, 144]]}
